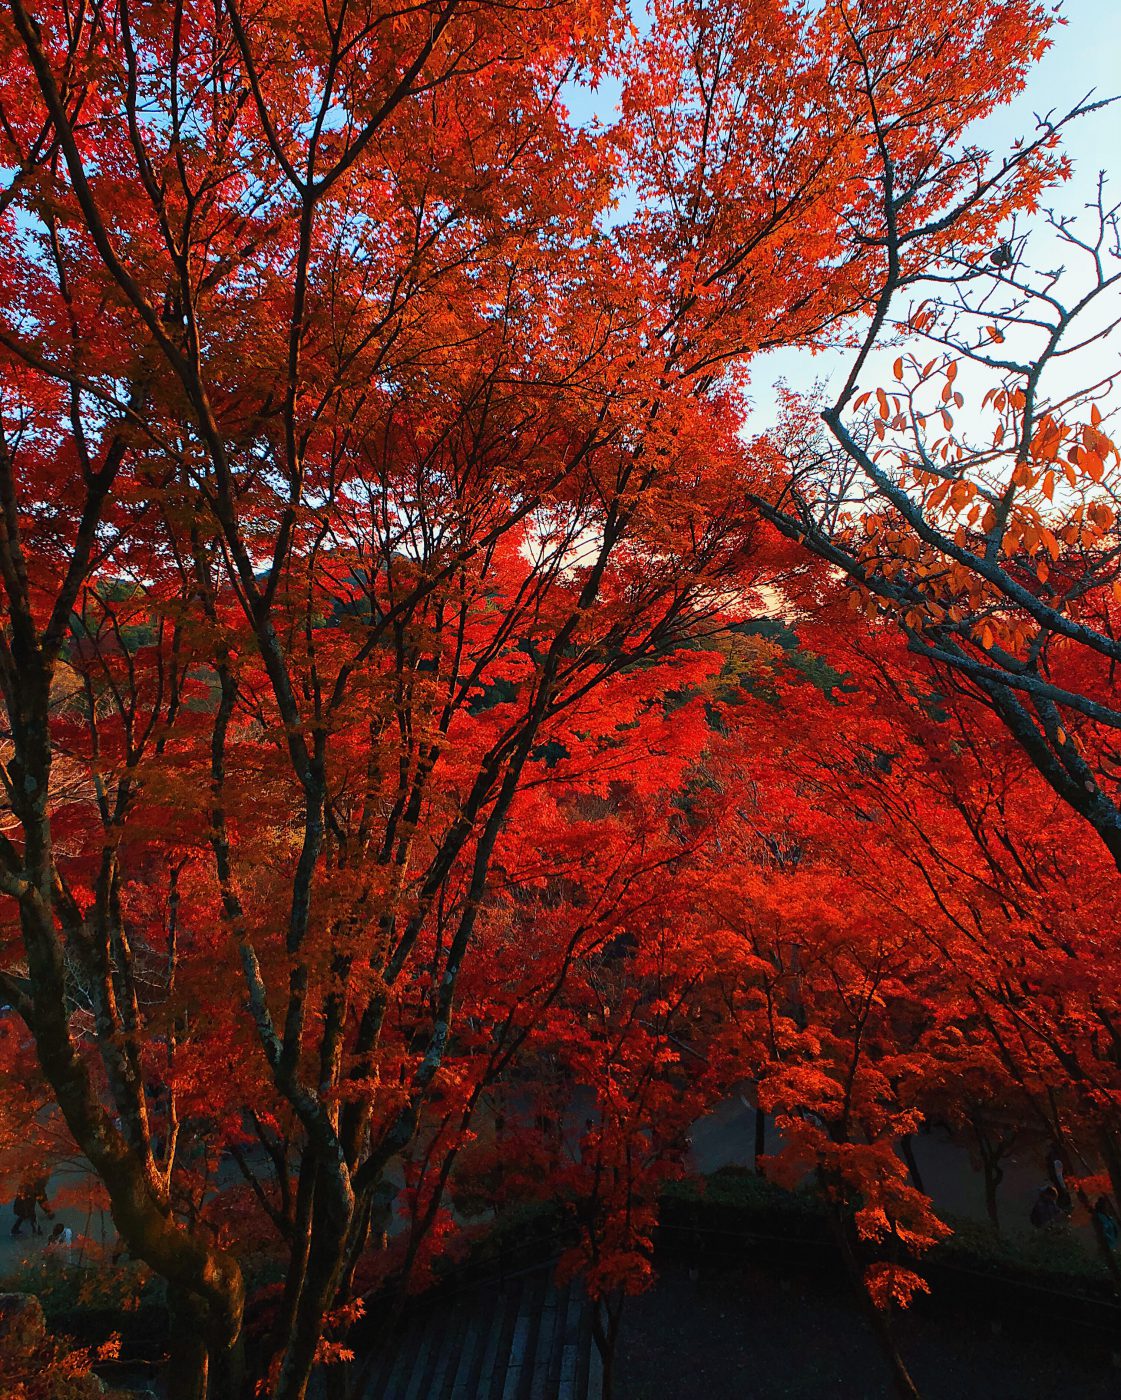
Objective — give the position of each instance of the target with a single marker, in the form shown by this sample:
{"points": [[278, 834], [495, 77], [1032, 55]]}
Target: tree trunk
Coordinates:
{"points": [[607, 1318], [907, 1147], [356, 1245], [209, 1279], [993, 1177], [879, 1320], [332, 1212], [187, 1359], [760, 1139], [226, 1365], [1111, 1155], [298, 1252]]}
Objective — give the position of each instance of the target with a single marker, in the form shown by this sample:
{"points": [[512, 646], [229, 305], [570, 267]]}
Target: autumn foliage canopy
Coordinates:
{"points": [[436, 770]]}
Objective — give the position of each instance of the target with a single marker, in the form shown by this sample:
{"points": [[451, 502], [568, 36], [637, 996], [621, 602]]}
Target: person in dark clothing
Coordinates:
{"points": [[1105, 1221], [62, 1237], [1046, 1210], [23, 1208], [32, 1193], [1056, 1170]]}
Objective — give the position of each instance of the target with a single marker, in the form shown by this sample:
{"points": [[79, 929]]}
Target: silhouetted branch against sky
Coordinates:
{"points": [[1084, 60]]}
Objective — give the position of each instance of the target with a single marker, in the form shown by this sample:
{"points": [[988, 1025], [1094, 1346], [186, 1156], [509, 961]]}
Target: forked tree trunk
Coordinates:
{"points": [[332, 1213], [299, 1246]]}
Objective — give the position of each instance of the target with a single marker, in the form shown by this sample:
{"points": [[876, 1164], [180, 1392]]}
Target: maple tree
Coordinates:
{"points": [[592, 1117], [374, 503], [930, 939], [974, 497]]}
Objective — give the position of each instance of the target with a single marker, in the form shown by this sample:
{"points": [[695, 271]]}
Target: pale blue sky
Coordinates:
{"points": [[1086, 55]]}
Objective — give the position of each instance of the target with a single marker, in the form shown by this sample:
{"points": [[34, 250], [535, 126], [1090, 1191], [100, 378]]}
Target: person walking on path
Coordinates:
{"points": [[32, 1192], [23, 1208]]}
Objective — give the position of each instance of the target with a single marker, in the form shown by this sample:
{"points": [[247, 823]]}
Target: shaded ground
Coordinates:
{"points": [[757, 1332]]}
